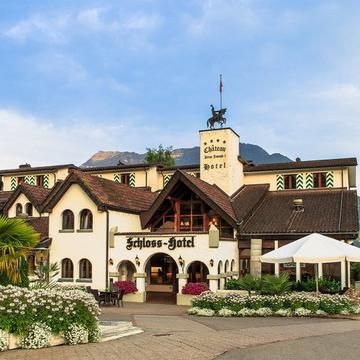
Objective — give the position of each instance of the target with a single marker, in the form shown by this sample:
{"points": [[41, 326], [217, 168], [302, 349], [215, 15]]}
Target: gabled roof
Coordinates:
{"points": [[105, 193], [35, 194], [212, 195], [309, 164], [36, 169], [324, 211], [247, 198], [4, 197], [40, 225]]}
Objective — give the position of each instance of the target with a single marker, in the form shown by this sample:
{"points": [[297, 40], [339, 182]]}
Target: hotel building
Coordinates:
{"points": [[162, 227]]}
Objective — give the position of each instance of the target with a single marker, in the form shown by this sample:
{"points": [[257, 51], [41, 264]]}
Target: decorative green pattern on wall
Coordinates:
{"points": [[279, 182], [166, 179], [117, 177], [13, 183], [30, 179], [330, 179], [309, 180], [299, 181], [46, 182], [132, 180]]}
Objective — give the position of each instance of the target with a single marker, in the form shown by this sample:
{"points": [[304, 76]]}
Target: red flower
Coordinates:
{"points": [[195, 288], [128, 287]]}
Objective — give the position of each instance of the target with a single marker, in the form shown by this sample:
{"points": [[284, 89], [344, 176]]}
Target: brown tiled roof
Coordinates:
{"points": [[193, 167], [4, 197], [105, 193], [309, 164], [210, 194], [122, 167], [35, 194], [36, 169], [324, 211], [247, 198], [40, 225]]}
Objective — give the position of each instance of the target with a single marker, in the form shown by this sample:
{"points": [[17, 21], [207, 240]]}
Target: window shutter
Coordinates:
{"points": [[132, 180], [309, 180], [13, 183], [299, 181], [279, 182], [117, 177], [30, 179], [166, 179], [46, 182], [330, 179]]}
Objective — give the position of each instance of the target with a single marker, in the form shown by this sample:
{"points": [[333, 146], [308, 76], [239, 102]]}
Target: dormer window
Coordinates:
{"points": [[125, 179], [40, 180], [290, 181]]}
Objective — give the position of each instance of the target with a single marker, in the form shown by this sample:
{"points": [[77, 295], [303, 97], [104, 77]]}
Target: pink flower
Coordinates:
{"points": [[128, 287], [195, 288]]}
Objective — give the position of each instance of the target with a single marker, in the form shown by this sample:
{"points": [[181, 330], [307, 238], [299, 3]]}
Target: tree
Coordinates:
{"points": [[17, 239], [160, 156]]}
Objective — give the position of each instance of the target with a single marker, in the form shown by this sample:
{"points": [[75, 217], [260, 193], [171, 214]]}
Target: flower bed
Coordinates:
{"points": [[128, 287], [36, 315], [194, 288], [297, 304]]}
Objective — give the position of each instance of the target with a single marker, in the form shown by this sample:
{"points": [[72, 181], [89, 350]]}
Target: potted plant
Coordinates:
{"points": [[189, 291]]}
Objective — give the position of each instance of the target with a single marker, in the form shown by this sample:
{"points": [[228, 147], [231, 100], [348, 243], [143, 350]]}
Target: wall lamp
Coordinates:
{"points": [[181, 261], [137, 261], [111, 262], [211, 262]]}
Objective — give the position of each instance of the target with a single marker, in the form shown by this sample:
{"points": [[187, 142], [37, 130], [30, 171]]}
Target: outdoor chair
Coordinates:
{"points": [[117, 298], [98, 297]]}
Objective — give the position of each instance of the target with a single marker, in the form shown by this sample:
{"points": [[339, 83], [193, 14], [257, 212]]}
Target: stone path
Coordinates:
{"points": [[178, 336]]}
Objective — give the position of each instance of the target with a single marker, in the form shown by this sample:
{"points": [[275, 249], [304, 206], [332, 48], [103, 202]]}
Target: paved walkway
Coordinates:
{"points": [[171, 334]]}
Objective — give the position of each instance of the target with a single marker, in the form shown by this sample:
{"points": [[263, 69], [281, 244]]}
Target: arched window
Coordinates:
{"points": [[86, 219], [68, 220], [85, 269], [198, 272], [29, 209], [67, 269], [19, 209]]}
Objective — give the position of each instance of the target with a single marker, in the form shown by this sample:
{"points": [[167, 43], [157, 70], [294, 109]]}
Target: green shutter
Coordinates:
{"points": [[13, 183], [117, 177], [46, 181], [30, 179], [330, 179], [279, 182], [309, 181], [166, 179], [299, 181], [132, 180]]}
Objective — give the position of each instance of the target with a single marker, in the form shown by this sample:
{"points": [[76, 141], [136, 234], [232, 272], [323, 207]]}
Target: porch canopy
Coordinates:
{"points": [[315, 249]]}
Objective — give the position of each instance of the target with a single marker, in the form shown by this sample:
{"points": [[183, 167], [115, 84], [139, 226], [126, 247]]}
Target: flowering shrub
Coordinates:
{"points": [[226, 312], [206, 312], [195, 288], [76, 334], [193, 311], [283, 305], [3, 341], [56, 308], [37, 336], [128, 287]]}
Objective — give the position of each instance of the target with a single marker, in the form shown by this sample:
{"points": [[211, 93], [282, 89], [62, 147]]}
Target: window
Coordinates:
{"points": [[226, 230], [191, 216], [319, 180], [125, 179], [21, 180], [290, 181], [29, 209], [19, 209], [67, 269], [68, 220], [85, 269], [40, 180], [86, 219]]}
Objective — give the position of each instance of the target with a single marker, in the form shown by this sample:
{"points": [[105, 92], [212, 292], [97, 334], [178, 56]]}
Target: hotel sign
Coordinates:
{"points": [[172, 243], [216, 155]]}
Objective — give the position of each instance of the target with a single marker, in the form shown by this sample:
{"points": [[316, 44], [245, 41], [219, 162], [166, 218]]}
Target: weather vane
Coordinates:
{"points": [[217, 115]]}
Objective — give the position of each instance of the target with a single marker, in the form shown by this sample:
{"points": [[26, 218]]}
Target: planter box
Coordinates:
{"points": [[138, 297], [184, 299], [14, 341], [238, 292]]}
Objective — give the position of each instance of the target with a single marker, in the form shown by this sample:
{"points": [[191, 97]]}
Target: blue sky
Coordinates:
{"points": [[81, 76]]}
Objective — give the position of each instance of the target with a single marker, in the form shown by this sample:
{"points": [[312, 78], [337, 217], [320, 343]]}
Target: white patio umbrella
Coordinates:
{"points": [[313, 249]]}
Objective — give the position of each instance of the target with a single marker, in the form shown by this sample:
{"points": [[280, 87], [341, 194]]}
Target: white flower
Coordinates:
{"points": [[3, 341], [76, 334], [226, 312], [193, 311], [246, 312], [206, 312], [38, 336], [284, 312], [302, 312], [320, 312], [264, 312]]}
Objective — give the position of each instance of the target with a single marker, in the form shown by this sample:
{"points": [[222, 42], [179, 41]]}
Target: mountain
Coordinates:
{"points": [[182, 156]]}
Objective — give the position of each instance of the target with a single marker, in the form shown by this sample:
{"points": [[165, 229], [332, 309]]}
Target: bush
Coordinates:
{"points": [[233, 284], [250, 283], [128, 287], [37, 336], [20, 308], [326, 286], [194, 288], [76, 334], [275, 285], [3, 341]]}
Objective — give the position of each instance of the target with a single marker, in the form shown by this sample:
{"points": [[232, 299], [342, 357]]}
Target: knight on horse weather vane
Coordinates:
{"points": [[217, 115]]}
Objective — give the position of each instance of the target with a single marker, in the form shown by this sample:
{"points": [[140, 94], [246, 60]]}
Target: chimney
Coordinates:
{"points": [[298, 205], [24, 166]]}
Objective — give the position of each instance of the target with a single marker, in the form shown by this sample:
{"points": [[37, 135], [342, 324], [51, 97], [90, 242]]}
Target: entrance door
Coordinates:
{"points": [[162, 284]]}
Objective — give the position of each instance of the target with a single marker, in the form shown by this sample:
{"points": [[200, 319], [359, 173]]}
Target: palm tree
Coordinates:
{"points": [[17, 239]]}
